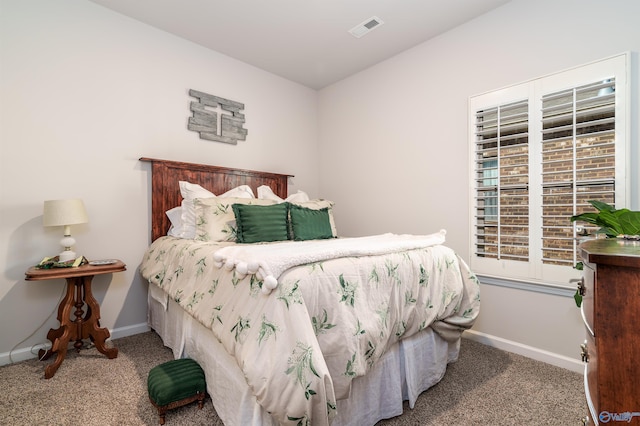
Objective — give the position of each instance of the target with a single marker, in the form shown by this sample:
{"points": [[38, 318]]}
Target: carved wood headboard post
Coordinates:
{"points": [[165, 187]]}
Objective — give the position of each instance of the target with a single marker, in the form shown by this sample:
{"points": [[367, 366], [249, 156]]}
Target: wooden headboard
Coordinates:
{"points": [[165, 189]]}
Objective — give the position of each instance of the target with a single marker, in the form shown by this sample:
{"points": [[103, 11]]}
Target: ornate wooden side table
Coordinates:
{"points": [[85, 325]]}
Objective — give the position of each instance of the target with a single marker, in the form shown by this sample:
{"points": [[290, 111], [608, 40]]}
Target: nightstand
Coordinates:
{"points": [[86, 324]]}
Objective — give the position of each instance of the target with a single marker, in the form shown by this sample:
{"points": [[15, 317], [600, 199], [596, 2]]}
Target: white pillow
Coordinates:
{"points": [[191, 191], [298, 197], [242, 191], [266, 193], [175, 216]]}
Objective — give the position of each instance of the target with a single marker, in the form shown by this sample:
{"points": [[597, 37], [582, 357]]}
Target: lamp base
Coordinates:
{"points": [[67, 255], [67, 242]]}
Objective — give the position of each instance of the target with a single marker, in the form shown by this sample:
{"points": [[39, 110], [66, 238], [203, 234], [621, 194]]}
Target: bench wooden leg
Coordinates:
{"points": [[201, 397], [162, 412]]}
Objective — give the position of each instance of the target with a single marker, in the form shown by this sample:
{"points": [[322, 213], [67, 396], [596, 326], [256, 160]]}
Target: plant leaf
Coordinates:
{"points": [[601, 206], [630, 223], [577, 298], [586, 217], [609, 220]]}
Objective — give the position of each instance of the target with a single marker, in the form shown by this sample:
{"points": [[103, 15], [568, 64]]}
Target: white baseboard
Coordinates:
{"points": [[525, 350], [22, 354], [129, 330]]}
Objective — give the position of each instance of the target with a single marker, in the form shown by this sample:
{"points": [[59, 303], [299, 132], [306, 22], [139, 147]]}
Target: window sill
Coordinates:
{"points": [[537, 287]]}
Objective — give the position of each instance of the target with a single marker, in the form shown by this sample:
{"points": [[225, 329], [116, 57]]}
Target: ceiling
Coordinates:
{"points": [[306, 41]]}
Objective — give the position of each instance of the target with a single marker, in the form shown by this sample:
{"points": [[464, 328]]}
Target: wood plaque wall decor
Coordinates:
{"points": [[217, 119]]}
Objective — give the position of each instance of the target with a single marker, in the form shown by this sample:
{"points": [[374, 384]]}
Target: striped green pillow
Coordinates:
{"points": [[310, 224], [257, 223]]}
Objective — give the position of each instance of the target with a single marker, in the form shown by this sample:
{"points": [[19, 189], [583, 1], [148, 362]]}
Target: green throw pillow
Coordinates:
{"points": [[309, 224], [257, 224]]}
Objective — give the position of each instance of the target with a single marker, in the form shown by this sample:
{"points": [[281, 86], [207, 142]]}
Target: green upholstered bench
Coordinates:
{"points": [[174, 384]]}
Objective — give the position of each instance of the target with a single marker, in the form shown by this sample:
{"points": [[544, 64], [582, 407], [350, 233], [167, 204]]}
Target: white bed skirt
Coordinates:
{"points": [[405, 371]]}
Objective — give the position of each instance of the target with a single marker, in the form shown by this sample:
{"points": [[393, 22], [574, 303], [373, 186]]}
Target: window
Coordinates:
{"points": [[502, 164], [540, 151], [578, 162]]}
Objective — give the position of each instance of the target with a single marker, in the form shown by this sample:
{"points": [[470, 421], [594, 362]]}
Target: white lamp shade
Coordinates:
{"points": [[64, 212]]}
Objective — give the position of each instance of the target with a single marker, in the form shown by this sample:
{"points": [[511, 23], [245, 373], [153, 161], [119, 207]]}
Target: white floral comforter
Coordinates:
{"points": [[325, 324]]}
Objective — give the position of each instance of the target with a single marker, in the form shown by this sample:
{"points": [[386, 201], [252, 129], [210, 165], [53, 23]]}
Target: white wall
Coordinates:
{"points": [[84, 93], [394, 153]]}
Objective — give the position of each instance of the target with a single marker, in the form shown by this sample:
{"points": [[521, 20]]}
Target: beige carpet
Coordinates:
{"points": [[485, 386]]}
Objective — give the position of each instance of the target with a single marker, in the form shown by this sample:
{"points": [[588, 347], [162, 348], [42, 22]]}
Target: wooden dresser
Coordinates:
{"points": [[611, 313]]}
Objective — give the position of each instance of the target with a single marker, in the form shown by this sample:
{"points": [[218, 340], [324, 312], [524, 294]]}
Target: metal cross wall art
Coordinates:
{"points": [[216, 118]]}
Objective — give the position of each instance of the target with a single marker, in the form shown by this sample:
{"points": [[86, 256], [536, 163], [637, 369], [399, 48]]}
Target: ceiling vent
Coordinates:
{"points": [[365, 27]]}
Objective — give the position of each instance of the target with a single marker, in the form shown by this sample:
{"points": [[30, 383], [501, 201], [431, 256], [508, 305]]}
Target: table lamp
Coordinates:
{"points": [[65, 213]]}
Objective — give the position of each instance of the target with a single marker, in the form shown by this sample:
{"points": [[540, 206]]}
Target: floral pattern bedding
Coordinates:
{"points": [[325, 324]]}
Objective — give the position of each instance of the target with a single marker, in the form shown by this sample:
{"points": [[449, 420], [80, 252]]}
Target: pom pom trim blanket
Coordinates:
{"points": [[269, 261]]}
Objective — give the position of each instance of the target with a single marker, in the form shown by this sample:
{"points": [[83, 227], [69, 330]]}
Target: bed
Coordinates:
{"points": [[293, 325]]}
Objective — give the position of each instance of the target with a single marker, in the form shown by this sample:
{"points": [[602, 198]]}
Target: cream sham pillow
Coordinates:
{"points": [[193, 191], [215, 220]]}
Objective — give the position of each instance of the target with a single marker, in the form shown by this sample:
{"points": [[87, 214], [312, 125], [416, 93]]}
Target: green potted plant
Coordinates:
{"points": [[613, 223], [622, 223]]}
